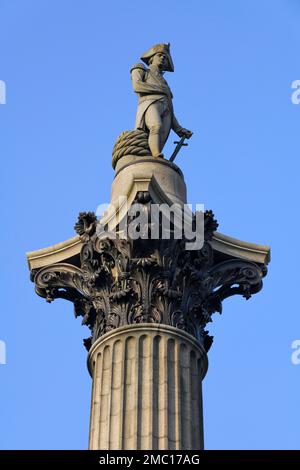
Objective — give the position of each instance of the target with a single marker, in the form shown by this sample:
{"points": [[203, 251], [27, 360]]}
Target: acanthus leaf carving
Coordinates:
{"points": [[123, 281]]}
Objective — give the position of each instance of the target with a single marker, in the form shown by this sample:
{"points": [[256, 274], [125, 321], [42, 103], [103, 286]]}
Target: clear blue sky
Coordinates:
{"points": [[66, 66]]}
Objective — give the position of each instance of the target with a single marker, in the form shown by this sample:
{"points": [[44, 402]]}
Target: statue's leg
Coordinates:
{"points": [[166, 125], [154, 124]]}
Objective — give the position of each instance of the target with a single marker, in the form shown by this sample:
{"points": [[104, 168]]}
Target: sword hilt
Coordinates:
{"points": [[178, 142]]}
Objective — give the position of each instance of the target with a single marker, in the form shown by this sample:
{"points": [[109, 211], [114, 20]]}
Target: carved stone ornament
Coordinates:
{"points": [[121, 281]]}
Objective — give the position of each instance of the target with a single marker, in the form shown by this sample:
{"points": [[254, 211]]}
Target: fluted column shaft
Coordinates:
{"points": [[147, 391]]}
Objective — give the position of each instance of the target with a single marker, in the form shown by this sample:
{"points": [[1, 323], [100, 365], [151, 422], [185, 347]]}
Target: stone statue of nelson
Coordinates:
{"points": [[155, 112]]}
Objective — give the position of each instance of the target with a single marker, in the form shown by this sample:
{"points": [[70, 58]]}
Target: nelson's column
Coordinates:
{"points": [[145, 291]]}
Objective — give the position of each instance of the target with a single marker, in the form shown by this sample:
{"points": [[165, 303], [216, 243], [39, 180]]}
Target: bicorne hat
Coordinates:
{"points": [[163, 48]]}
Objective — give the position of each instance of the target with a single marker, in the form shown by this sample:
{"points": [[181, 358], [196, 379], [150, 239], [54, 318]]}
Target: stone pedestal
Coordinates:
{"points": [[147, 389]]}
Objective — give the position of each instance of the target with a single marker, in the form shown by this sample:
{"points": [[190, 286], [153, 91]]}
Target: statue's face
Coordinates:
{"points": [[160, 60]]}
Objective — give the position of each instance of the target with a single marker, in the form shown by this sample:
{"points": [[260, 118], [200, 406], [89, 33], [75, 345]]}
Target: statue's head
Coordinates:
{"points": [[159, 55]]}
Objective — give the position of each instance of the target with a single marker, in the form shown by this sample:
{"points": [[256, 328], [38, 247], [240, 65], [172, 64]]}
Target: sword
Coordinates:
{"points": [[177, 148]]}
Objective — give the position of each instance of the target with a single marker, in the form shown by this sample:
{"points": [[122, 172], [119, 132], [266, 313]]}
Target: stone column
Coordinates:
{"points": [[147, 389], [147, 303]]}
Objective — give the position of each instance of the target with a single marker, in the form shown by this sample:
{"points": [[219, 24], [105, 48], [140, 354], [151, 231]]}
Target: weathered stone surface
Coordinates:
{"points": [[119, 282], [164, 181], [147, 391], [222, 244], [147, 303]]}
